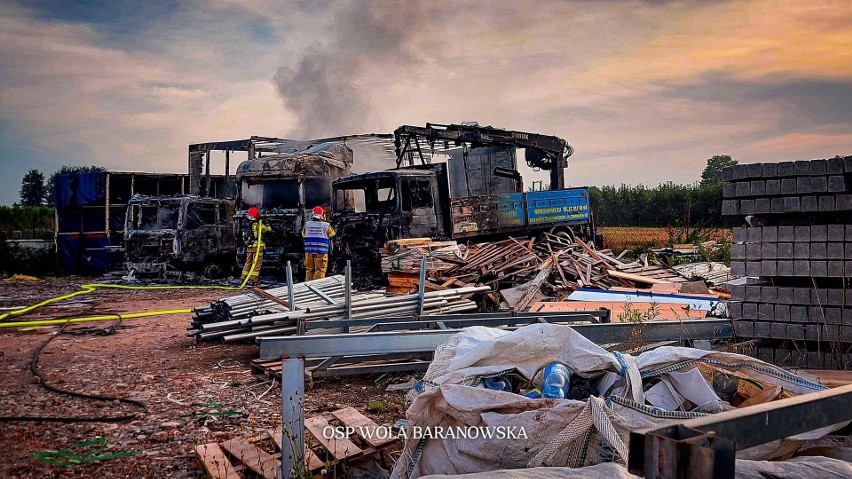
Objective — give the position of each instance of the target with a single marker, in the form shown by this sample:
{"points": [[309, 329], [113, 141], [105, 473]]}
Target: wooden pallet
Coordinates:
{"points": [[241, 457]]}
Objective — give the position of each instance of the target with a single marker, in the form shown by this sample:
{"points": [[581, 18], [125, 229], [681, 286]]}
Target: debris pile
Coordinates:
{"points": [[268, 312]]}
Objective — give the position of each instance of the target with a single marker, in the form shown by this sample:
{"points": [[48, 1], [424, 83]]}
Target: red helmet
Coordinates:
{"points": [[318, 210], [253, 212]]}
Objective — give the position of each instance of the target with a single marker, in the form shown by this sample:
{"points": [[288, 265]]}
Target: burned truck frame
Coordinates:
{"points": [[286, 187], [165, 235], [477, 194]]}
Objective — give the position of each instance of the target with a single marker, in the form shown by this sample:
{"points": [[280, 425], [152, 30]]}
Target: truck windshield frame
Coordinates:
{"points": [[270, 194], [379, 194]]}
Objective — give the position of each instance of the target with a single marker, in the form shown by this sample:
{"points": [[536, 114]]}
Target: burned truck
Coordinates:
{"points": [[286, 187], [166, 235], [477, 194]]}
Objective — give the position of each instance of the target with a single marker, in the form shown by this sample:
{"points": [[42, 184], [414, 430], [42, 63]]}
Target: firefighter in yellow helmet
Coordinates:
{"points": [[254, 247], [317, 234]]}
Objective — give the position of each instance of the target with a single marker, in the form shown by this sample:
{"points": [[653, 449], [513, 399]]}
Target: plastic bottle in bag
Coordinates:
{"points": [[556, 379], [498, 383]]}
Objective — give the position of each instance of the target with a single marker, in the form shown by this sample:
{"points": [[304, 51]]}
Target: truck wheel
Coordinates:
{"points": [[567, 234], [213, 271]]}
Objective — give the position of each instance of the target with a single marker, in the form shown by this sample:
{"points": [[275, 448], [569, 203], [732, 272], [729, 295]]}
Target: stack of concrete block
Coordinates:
{"points": [[801, 253]]}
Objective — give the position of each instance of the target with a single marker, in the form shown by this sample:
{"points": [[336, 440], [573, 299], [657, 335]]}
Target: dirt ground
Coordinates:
{"points": [[150, 360]]}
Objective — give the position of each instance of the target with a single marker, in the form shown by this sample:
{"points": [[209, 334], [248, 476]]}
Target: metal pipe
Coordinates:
{"points": [[421, 286], [348, 290], [291, 302]]}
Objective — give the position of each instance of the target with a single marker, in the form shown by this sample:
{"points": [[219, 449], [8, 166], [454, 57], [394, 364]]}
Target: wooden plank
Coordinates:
{"points": [[215, 462], [275, 299], [314, 463], [634, 277], [664, 311], [253, 457], [351, 417], [340, 449]]}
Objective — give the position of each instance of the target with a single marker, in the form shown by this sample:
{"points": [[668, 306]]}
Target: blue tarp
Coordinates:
{"points": [[86, 254], [79, 189]]}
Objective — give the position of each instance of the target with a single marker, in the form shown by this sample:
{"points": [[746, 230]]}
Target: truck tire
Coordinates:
{"points": [[213, 270]]}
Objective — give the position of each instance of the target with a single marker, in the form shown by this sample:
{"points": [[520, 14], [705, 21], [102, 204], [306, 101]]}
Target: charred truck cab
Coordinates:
{"points": [[166, 235], [286, 188], [476, 194]]}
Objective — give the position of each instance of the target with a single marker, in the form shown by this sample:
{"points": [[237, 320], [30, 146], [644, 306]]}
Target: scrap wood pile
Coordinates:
{"points": [[318, 303]]}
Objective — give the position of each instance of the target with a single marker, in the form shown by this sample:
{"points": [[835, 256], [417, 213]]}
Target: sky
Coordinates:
{"points": [[645, 91]]}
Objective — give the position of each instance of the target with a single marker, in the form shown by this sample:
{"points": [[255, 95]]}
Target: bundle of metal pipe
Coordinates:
{"points": [[257, 314]]}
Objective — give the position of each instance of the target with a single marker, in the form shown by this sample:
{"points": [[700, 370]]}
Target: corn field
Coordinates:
{"points": [[620, 238]]}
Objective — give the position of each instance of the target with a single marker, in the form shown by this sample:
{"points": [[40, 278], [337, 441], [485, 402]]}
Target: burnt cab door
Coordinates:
{"points": [[418, 207]]}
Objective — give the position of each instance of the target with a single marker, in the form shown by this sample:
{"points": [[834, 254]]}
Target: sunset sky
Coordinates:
{"points": [[644, 91]]}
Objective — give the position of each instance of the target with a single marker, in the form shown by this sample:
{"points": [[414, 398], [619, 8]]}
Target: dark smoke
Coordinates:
{"points": [[320, 89]]}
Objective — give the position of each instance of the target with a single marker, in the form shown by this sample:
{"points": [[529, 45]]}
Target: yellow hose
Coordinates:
{"points": [[105, 317], [91, 287]]}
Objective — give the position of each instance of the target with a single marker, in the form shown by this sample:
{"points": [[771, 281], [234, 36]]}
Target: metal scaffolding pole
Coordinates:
{"points": [[291, 302], [293, 418]]}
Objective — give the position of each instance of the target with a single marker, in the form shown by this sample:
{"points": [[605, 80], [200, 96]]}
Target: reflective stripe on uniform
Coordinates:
{"points": [[316, 237]]}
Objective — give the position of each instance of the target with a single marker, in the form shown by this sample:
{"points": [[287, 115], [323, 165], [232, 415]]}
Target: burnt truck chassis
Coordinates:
{"points": [[183, 240]]}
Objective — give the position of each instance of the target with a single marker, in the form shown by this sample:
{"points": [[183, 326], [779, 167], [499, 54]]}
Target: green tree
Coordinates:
{"points": [[713, 171], [32, 189]]}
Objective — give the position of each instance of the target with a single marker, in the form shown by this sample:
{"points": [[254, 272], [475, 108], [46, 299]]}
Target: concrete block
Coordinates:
{"points": [[778, 330], [784, 268], [819, 233], [835, 232], [811, 332], [758, 188], [738, 251], [801, 250], [801, 296], [833, 315], [785, 295], [746, 207], [846, 315], [801, 267], [792, 204], [834, 166], [768, 268], [818, 250], [739, 234], [809, 204], [817, 167], [750, 311], [744, 329], [837, 184], [819, 269], [844, 202], [738, 268], [803, 234], [728, 173], [773, 187], [785, 251], [848, 295], [847, 164], [770, 170], [788, 186], [847, 250], [826, 203], [803, 185], [835, 268], [738, 292], [776, 205], [819, 296], [846, 334], [735, 309], [755, 170], [769, 294], [814, 360], [769, 234], [794, 331], [801, 168], [765, 354], [847, 269], [766, 312], [799, 313], [754, 293], [819, 184], [762, 206], [782, 312], [770, 250], [729, 190], [796, 359], [753, 234], [785, 233], [752, 251], [785, 168], [848, 235], [834, 251], [743, 189], [730, 207], [753, 268], [830, 332], [761, 329], [815, 314], [834, 297]]}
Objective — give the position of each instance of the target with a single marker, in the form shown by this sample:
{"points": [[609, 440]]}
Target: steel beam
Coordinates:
{"points": [[324, 345], [293, 419], [706, 446], [459, 321]]}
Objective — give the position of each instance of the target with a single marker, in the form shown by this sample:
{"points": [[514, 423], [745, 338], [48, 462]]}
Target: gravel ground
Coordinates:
{"points": [[151, 360]]}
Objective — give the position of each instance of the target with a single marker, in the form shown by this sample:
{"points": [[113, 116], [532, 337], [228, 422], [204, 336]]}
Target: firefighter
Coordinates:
{"points": [[254, 247], [316, 233]]}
